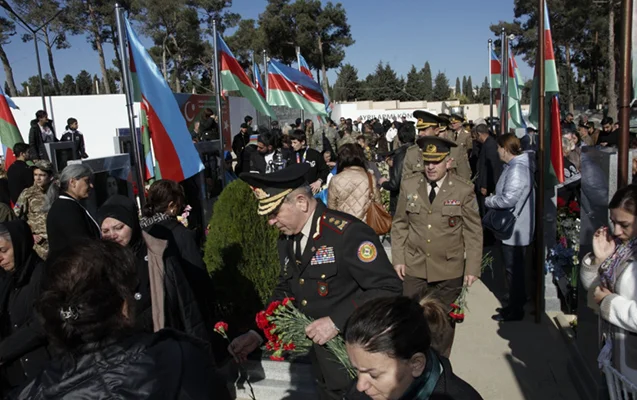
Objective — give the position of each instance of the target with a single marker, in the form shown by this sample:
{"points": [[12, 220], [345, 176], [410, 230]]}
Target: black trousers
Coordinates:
{"points": [[514, 258], [331, 377]]}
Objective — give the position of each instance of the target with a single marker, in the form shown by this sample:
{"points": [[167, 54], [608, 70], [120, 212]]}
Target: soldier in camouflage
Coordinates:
{"points": [[30, 203]]}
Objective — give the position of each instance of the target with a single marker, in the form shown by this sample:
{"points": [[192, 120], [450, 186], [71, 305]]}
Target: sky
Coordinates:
{"points": [[452, 36]]}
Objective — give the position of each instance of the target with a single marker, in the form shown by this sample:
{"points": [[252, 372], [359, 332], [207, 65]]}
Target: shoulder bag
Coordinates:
{"points": [[377, 217], [502, 221]]}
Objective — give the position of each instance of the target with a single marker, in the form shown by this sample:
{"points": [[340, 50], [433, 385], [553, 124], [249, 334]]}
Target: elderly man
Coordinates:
{"points": [[331, 262], [437, 232]]}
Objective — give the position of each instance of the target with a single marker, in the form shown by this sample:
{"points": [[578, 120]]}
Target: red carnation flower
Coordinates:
{"points": [[272, 307], [221, 327], [561, 202], [287, 300], [573, 207], [289, 347], [262, 320], [276, 358], [455, 306]]}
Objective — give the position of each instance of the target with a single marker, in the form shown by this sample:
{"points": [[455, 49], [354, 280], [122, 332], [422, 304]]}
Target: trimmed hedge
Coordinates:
{"points": [[241, 253]]}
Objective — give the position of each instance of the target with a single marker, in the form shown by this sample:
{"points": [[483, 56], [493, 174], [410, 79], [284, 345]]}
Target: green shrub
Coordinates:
{"points": [[241, 254]]}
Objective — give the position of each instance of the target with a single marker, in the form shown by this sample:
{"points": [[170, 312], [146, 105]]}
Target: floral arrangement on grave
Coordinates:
{"points": [[459, 306], [221, 328], [562, 259], [284, 328]]}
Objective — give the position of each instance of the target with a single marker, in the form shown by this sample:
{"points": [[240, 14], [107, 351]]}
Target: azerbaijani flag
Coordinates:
{"points": [[143, 120], [553, 133], [305, 67], [496, 71], [292, 88], [257, 81], [515, 96], [234, 78], [176, 154], [9, 132]]}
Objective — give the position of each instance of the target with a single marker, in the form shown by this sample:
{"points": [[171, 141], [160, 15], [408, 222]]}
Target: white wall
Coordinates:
{"points": [[99, 116]]}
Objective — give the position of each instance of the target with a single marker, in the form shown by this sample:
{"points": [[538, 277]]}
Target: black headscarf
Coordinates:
{"points": [[123, 209], [22, 240]]}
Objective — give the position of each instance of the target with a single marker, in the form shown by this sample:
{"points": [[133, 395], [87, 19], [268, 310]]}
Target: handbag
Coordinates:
{"points": [[377, 217], [501, 222]]}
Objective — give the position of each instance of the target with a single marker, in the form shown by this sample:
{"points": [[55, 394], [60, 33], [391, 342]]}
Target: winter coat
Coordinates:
{"points": [[20, 177], [395, 177], [67, 221], [37, 151], [616, 312], [489, 165], [164, 365], [29, 208], [318, 170], [514, 189], [349, 191], [23, 342]]}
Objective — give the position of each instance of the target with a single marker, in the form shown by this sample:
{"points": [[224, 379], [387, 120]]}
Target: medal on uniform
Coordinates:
{"points": [[453, 221], [322, 289]]}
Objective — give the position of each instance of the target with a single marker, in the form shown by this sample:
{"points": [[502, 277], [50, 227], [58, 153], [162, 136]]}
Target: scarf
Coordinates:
{"points": [[607, 269], [147, 222], [423, 387]]}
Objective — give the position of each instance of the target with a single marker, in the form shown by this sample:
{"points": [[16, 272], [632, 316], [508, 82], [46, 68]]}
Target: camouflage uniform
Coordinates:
{"points": [[29, 208]]}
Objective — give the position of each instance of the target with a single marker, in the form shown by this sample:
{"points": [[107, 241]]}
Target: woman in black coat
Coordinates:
{"points": [[163, 298], [87, 307], [67, 219], [389, 343], [23, 343]]}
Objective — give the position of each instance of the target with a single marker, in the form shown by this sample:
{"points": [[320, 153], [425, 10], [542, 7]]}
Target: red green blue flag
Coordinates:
{"points": [[9, 132], [292, 88], [258, 83], [176, 154], [496, 71]]}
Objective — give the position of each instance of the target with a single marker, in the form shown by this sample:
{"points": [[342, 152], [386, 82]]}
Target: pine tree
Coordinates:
{"points": [[441, 88], [84, 83], [68, 86], [469, 94], [347, 86], [465, 90], [458, 88], [415, 85], [384, 84], [428, 88], [483, 93]]}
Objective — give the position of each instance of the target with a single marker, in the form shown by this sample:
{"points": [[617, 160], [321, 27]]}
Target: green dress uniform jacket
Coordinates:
{"points": [[460, 154], [433, 240], [342, 266]]}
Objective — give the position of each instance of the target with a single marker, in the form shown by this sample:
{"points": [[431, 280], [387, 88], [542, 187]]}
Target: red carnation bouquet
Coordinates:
{"points": [[459, 307], [284, 328]]}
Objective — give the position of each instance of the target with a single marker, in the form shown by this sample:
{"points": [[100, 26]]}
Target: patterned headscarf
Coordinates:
{"points": [[608, 267]]}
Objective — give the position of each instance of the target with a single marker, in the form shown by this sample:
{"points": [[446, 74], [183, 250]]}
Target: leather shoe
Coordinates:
{"points": [[508, 316]]}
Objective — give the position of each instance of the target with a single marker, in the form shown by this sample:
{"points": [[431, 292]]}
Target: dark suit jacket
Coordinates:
{"points": [[489, 165], [318, 170], [36, 145], [68, 221], [343, 265], [395, 176], [20, 177]]}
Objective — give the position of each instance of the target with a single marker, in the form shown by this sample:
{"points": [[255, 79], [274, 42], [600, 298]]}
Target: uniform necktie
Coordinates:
{"points": [[432, 192], [297, 244]]}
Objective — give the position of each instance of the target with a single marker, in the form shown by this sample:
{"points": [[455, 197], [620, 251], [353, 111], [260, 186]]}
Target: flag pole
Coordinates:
{"points": [[490, 49], [502, 82], [625, 91], [539, 208], [505, 84], [298, 62], [137, 157], [215, 47], [265, 79]]}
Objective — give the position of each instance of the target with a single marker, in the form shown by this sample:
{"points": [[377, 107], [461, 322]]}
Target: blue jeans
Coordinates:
{"points": [[514, 258]]}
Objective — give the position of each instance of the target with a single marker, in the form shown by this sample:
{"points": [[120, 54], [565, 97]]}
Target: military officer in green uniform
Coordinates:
{"points": [[464, 143], [30, 203], [436, 232], [331, 262], [427, 124]]}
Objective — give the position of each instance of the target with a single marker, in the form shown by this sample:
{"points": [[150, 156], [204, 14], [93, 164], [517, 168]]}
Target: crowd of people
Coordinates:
{"points": [[120, 303]]}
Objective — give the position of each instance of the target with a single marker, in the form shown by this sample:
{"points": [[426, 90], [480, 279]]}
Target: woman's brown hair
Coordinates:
{"points": [[510, 143], [350, 155], [161, 194], [438, 320]]}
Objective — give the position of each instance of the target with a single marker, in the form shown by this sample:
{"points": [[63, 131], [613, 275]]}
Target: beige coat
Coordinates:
{"points": [[438, 241], [349, 190]]}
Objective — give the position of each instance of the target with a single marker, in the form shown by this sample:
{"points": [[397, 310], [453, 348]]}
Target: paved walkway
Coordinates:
{"points": [[510, 361]]}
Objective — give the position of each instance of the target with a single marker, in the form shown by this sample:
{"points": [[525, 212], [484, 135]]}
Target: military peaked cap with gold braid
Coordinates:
{"points": [[271, 189], [444, 121], [434, 148], [456, 118], [426, 120]]}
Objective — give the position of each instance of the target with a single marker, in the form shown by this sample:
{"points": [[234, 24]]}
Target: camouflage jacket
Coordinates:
{"points": [[29, 208]]}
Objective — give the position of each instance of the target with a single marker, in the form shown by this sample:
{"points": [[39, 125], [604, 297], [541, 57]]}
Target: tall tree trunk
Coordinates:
{"points": [[8, 73], [324, 84], [164, 65], [612, 97], [49, 52], [95, 30], [571, 83], [118, 59]]}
